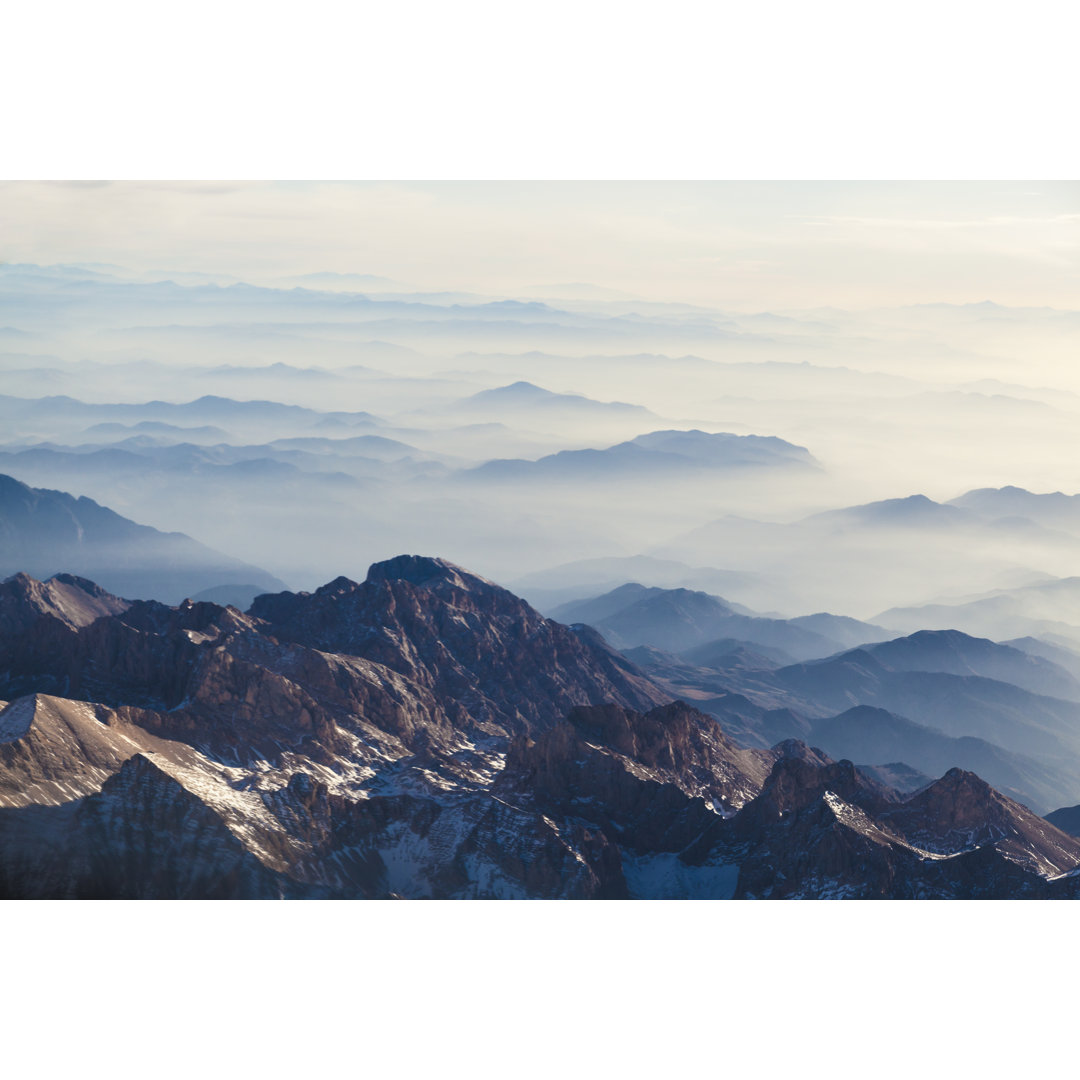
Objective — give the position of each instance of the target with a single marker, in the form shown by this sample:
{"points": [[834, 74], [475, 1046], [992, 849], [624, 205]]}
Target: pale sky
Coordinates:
{"points": [[741, 245]]}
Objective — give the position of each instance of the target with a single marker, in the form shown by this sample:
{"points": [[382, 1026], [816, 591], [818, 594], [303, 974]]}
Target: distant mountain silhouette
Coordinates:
{"points": [[960, 654], [840, 628], [659, 453], [928, 702], [679, 619], [208, 409], [990, 511], [48, 532], [916, 537], [1064, 657], [527, 395], [1067, 819], [1041, 610], [1043, 729], [865, 733], [956, 704], [237, 596], [725, 653], [1053, 510], [557, 585], [330, 280], [174, 433], [914, 511]]}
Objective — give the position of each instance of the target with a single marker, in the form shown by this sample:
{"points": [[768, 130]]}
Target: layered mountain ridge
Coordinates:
{"points": [[425, 733]]}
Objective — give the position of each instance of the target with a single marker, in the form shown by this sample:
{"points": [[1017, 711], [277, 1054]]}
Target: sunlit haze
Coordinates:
{"points": [[480, 371], [741, 245]]}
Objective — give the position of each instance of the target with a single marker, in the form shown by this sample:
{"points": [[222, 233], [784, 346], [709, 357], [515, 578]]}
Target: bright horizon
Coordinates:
{"points": [[771, 245]]}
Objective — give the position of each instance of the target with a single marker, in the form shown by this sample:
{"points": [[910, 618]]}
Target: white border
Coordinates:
{"points": [[589, 89], [486, 90]]}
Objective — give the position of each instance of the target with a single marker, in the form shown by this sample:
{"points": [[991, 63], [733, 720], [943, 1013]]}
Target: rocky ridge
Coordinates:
{"points": [[425, 733]]}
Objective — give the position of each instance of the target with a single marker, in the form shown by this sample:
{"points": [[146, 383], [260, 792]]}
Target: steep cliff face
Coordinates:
{"points": [[142, 836], [654, 781], [494, 661], [358, 768], [70, 600], [821, 829], [961, 812], [427, 734]]}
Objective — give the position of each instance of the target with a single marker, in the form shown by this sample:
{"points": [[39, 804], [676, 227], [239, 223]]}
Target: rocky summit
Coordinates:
{"points": [[426, 734]]}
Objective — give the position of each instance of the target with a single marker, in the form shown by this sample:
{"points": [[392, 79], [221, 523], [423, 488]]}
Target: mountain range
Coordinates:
{"points": [[1010, 538], [425, 733], [1043, 609], [656, 454], [527, 397], [921, 701], [750, 670], [679, 619]]}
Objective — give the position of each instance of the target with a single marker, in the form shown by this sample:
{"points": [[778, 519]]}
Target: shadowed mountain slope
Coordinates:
{"points": [[955, 653], [425, 733], [677, 620], [858, 705], [47, 532]]}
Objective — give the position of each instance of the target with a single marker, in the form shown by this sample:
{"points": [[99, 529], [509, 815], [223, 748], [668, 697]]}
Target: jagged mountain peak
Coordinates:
{"points": [[803, 774], [662, 734], [657, 778], [498, 660], [72, 600], [798, 750], [961, 812], [91, 588], [53, 749], [425, 570], [340, 586], [427, 733], [419, 582], [961, 802], [957, 788]]}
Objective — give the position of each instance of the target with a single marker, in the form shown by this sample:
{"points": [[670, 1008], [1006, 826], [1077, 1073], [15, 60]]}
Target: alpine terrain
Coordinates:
{"points": [[427, 734]]}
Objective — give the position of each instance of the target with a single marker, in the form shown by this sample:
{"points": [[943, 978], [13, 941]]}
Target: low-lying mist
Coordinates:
{"points": [[311, 431]]}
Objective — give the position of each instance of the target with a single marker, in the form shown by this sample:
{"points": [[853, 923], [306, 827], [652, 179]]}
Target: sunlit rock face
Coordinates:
{"points": [[427, 734]]}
